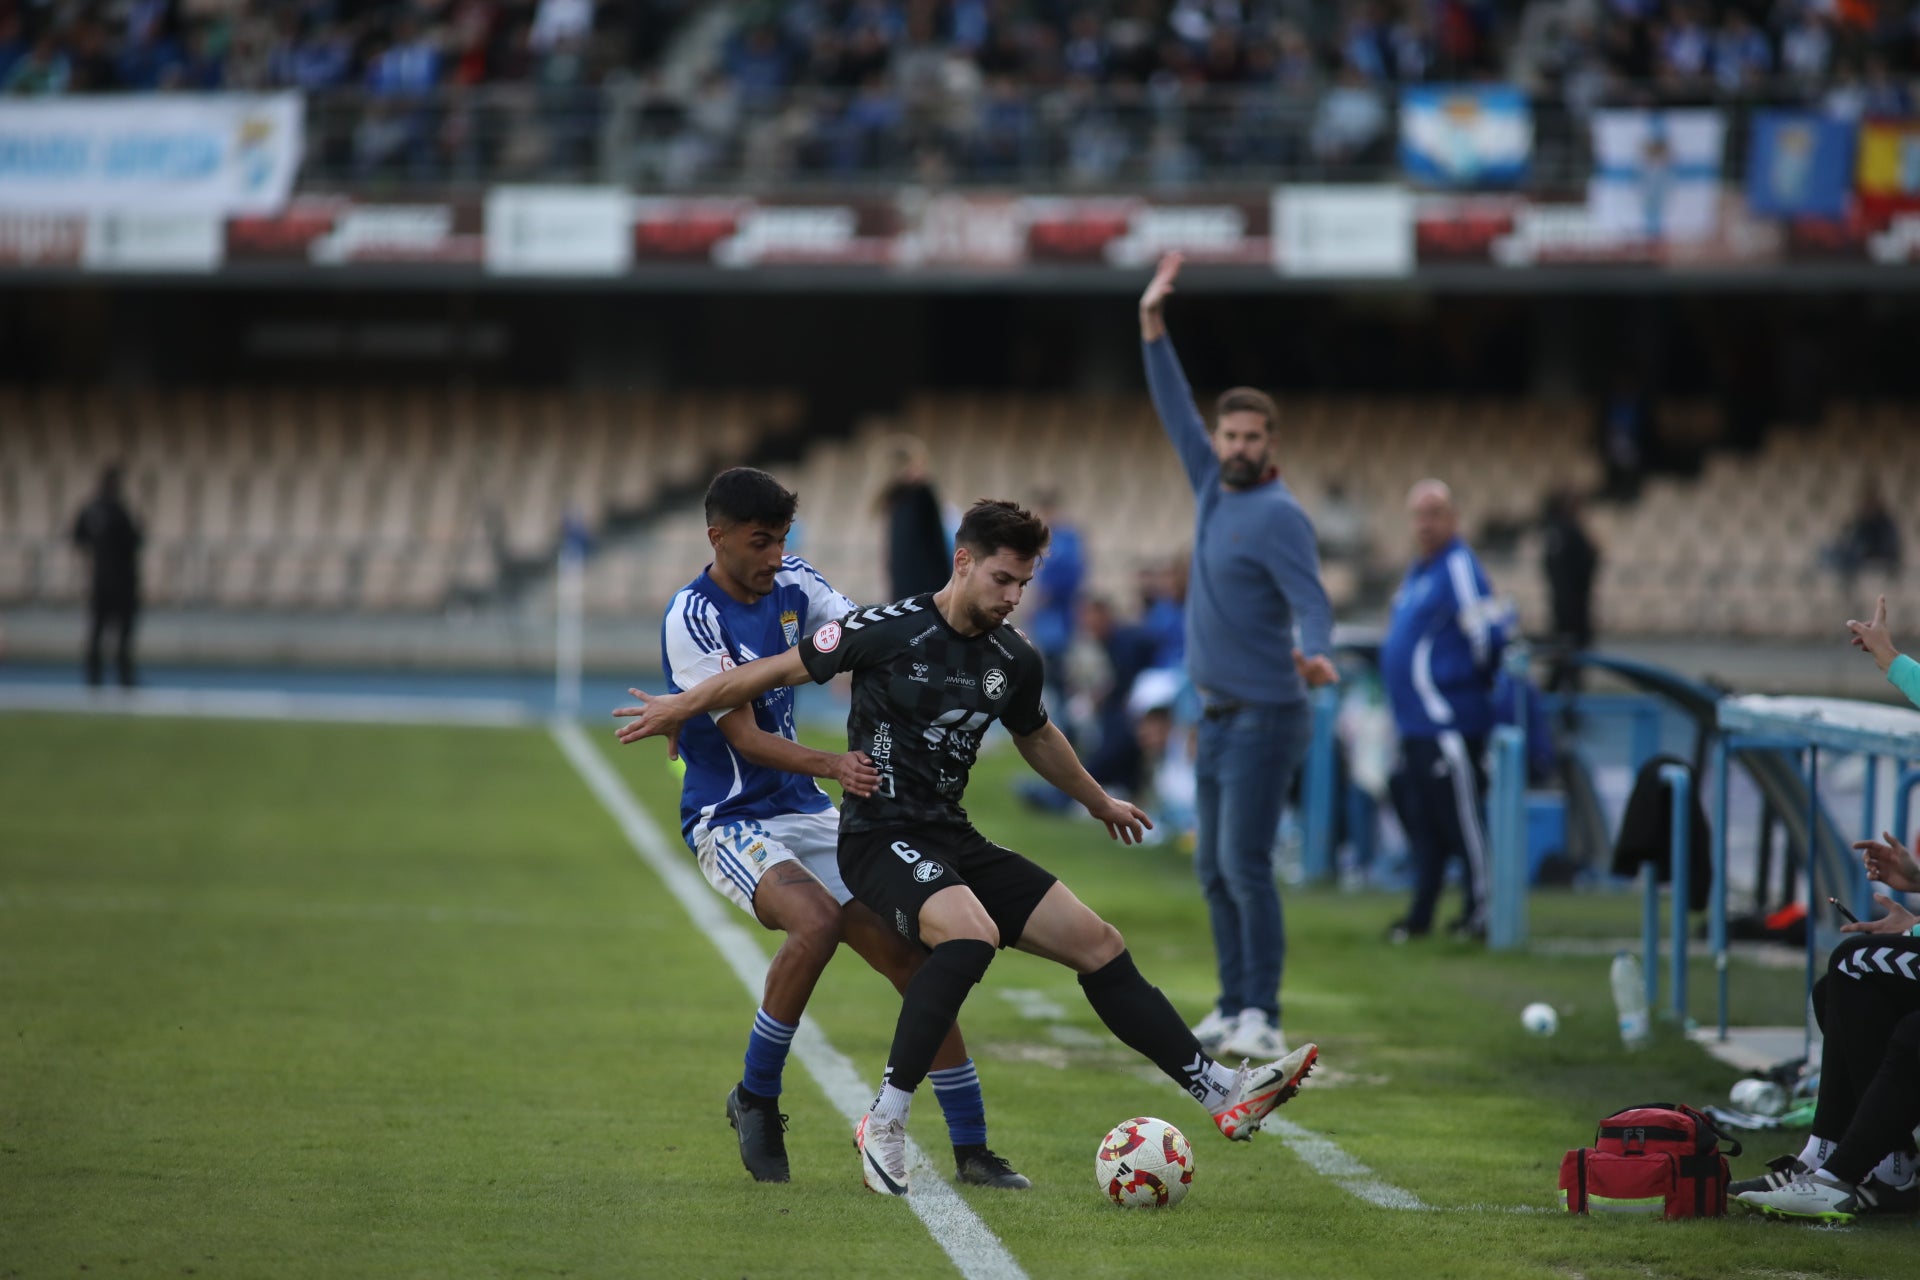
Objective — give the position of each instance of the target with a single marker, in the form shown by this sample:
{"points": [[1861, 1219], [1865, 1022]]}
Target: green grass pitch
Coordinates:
{"points": [[327, 1000]]}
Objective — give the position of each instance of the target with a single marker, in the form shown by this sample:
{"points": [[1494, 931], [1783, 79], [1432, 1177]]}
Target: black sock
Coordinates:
{"points": [[748, 1098], [931, 1005], [1144, 1020]]}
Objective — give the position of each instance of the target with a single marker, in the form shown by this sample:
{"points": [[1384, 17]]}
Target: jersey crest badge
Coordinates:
{"points": [[790, 627], [996, 682]]}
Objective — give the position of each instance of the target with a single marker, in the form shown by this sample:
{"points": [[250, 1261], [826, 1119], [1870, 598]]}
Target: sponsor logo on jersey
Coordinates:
{"points": [[963, 679], [926, 872], [996, 682], [915, 642], [919, 673], [790, 627], [900, 923], [827, 638], [1004, 651]]}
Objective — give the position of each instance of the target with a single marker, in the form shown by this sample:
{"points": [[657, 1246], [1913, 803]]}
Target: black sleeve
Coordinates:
{"points": [[852, 643], [1026, 710]]}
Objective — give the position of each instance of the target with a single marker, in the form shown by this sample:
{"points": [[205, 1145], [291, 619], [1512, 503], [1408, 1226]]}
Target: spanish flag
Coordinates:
{"points": [[1889, 167]]}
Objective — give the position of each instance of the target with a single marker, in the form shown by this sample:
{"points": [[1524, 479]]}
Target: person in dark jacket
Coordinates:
{"points": [[1570, 561], [107, 532], [919, 557]]}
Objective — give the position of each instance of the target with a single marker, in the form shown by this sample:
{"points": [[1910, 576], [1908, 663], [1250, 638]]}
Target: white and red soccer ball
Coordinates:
{"points": [[1144, 1163]]}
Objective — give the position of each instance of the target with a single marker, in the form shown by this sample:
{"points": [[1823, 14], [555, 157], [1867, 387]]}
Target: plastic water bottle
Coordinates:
{"points": [[1630, 1000]]}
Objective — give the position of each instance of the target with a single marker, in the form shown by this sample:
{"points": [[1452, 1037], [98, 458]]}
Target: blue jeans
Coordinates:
{"points": [[1248, 757]]}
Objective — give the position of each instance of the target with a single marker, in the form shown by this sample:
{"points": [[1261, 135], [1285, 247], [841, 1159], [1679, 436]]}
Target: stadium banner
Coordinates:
{"points": [[1130, 232], [137, 240], [1799, 164], [1343, 231], [1462, 230], [1889, 169], [1656, 174], [159, 153], [559, 231], [744, 232], [1465, 136], [41, 240], [335, 231]]}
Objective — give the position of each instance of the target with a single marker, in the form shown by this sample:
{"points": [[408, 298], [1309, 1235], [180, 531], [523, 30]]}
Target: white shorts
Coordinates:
{"points": [[734, 855]]}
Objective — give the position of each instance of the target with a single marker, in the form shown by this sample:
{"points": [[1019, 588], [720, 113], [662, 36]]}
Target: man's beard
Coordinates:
{"points": [[1241, 472], [983, 619]]}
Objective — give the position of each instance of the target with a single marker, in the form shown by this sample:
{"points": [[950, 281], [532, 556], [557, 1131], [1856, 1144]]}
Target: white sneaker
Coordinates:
{"points": [[1817, 1196], [1258, 1090], [883, 1154], [1212, 1029], [1253, 1038]]}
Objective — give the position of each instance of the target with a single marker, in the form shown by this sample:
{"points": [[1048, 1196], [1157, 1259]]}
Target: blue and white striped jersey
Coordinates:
{"points": [[1442, 647], [706, 631]]}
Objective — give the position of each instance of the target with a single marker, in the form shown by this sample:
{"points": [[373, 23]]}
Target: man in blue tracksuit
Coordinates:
{"points": [[1255, 577], [1439, 661]]}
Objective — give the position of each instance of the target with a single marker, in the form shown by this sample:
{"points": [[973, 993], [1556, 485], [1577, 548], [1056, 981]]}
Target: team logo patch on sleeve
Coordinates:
{"points": [[927, 871], [790, 627], [827, 638], [995, 683]]}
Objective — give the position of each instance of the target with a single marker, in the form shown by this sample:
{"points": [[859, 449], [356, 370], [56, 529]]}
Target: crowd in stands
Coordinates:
{"points": [[1093, 89]]}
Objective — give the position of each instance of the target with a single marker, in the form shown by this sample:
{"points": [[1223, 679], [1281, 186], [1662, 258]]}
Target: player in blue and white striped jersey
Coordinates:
{"points": [[1438, 662], [765, 834]]}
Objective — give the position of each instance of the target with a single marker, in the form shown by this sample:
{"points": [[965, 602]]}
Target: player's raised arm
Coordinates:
{"points": [[663, 713], [1167, 381], [1051, 756]]}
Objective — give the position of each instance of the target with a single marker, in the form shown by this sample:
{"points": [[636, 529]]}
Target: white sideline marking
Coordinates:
{"points": [[954, 1226], [1325, 1157], [266, 704]]}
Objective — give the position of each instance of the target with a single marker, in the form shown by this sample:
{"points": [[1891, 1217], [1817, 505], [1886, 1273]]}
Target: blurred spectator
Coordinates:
{"points": [[1107, 659], [44, 70], [1163, 613], [1869, 539], [1570, 562], [1341, 526], [919, 557], [108, 533], [1626, 437], [1053, 600], [558, 22], [1351, 119], [1742, 58]]}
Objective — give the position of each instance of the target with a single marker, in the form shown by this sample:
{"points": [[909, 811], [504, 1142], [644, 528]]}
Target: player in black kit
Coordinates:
{"points": [[930, 674]]}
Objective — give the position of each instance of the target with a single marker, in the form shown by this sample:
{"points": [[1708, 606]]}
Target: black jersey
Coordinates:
{"points": [[922, 696]]}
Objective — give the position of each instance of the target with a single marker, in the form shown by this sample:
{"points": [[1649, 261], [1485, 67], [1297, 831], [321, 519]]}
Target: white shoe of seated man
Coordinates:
{"points": [[1253, 1038]]}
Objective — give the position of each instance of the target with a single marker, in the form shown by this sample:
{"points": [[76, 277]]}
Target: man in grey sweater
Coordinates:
{"points": [[1255, 579]]}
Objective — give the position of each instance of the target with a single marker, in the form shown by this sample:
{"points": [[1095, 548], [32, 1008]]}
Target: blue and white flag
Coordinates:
{"points": [[1800, 164], [1465, 135], [1656, 174]]}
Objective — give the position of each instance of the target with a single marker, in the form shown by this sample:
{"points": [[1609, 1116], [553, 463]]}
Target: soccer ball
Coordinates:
{"points": [[1540, 1019], [1144, 1163]]}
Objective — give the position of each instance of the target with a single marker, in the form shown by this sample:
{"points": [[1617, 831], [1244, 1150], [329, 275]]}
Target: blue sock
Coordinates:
{"points": [[766, 1054], [958, 1089]]}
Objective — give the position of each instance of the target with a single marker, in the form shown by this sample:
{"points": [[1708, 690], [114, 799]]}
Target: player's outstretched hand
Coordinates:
{"points": [[1125, 822], [1873, 637], [1888, 862], [1162, 284], [657, 715], [855, 773], [1317, 670], [1897, 920]]}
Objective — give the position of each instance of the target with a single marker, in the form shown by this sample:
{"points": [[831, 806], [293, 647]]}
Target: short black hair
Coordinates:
{"points": [[993, 525], [748, 495]]}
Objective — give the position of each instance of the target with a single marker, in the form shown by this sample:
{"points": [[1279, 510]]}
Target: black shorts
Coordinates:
{"points": [[896, 871]]}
